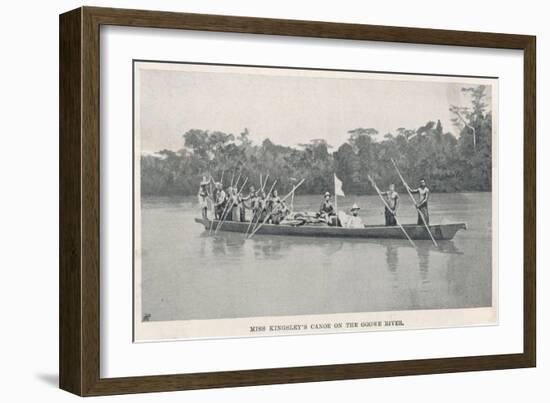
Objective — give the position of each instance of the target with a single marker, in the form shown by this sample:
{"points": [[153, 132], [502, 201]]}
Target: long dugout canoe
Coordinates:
{"points": [[417, 232]]}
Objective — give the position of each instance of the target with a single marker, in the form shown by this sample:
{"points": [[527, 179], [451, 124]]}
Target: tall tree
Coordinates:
{"points": [[448, 162]]}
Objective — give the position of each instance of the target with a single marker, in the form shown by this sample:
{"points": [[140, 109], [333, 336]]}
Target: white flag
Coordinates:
{"points": [[338, 187]]}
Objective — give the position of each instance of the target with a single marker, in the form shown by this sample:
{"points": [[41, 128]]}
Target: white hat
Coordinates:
{"points": [[354, 207]]}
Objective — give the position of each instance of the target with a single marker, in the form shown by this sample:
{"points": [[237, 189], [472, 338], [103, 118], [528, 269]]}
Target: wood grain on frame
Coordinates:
{"points": [[70, 271], [79, 200]]}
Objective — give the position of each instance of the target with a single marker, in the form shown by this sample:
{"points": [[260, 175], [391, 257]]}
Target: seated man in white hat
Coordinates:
{"points": [[353, 220]]}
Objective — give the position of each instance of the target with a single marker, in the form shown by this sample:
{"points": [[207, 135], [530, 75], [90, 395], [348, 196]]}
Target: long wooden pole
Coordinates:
{"points": [[227, 210], [260, 188], [282, 200], [251, 223], [223, 215], [232, 177], [388, 207], [414, 202], [224, 212], [265, 183], [214, 205], [212, 201], [268, 193], [237, 182], [272, 187], [293, 181], [335, 196]]}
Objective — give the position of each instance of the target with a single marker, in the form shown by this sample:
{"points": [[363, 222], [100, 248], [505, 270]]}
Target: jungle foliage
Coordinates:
{"points": [[448, 163]]}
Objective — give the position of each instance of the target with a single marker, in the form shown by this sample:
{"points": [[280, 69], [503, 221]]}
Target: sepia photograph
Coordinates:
{"points": [[274, 201]]}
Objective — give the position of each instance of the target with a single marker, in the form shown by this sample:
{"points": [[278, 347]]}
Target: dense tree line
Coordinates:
{"points": [[448, 163]]}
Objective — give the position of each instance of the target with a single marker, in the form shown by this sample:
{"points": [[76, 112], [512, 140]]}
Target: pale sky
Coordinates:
{"points": [[290, 107]]}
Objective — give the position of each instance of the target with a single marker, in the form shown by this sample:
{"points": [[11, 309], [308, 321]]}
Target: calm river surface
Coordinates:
{"points": [[187, 274]]}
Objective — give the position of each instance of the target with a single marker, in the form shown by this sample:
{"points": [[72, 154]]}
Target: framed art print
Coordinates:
{"points": [[190, 270], [250, 201]]}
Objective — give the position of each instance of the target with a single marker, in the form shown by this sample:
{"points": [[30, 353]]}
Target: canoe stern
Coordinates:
{"points": [[448, 231]]}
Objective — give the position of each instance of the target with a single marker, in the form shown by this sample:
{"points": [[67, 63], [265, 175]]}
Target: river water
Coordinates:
{"points": [[187, 274]]}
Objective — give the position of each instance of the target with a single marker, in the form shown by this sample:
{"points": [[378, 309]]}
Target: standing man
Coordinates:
{"points": [[221, 199], [233, 212], [392, 198], [251, 199], [229, 204], [422, 205], [262, 206], [203, 197], [238, 210], [255, 202]]}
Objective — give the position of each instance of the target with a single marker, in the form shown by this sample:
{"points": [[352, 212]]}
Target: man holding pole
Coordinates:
{"points": [[422, 209], [281, 203], [255, 203], [235, 206], [251, 199], [221, 199], [392, 197], [203, 197], [422, 205], [278, 208], [262, 206]]}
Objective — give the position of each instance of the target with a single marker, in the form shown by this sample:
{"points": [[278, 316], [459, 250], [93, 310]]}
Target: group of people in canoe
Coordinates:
{"points": [[391, 197], [230, 204]]}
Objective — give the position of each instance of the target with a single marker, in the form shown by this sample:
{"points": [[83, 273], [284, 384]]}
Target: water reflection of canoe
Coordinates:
{"points": [[440, 232]]}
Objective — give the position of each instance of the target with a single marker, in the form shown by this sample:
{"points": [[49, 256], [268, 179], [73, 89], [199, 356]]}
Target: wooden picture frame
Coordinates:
{"points": [[79, 348]]}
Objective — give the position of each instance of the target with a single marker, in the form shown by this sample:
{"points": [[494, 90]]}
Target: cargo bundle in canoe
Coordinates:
{"points": [[416, 232]]}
